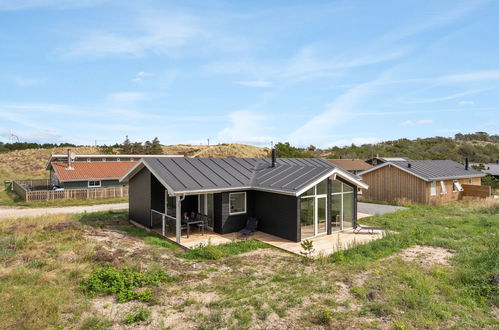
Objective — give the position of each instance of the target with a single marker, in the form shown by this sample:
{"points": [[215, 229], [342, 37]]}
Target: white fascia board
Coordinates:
{"points": [[139, 166], [339, 172]]}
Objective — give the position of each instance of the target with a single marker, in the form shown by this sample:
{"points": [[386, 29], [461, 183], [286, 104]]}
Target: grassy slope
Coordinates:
{"points": [[42, 267]]}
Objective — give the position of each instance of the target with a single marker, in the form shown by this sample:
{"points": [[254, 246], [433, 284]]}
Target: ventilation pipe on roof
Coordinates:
{"points": [[466, 164], [70, 160], [273, 157], [409, 165]]}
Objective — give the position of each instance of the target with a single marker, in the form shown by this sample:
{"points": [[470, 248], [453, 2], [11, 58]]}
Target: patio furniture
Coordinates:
{"points": [[202, 225], [251, 225], [370, 230]]}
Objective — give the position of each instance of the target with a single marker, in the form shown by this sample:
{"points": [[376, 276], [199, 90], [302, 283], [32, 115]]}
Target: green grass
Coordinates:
{"points": [[215, 252], [46, 267]]}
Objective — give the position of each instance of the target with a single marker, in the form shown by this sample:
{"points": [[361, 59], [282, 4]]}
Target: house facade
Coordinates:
{"points": [[294, 199], [420, 181]]}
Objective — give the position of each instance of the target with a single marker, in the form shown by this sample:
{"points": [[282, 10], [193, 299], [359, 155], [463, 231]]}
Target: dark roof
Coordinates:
{"points": [[290, 175], [431, 170], [351, 164], [490, 168]]}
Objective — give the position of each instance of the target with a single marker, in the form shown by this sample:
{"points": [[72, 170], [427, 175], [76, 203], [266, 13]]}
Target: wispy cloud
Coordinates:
{"points": [[357, 141], [255, 83], [465, 103], [160, 33], [140, 76], [408, 123], [450, 97], [20, 81], [246, 127], [8, 5]]}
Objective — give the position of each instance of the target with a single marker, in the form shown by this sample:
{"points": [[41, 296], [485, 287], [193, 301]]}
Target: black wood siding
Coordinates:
{"points": [[277, 214], [157, 195], [139, 206], [225, 223]]}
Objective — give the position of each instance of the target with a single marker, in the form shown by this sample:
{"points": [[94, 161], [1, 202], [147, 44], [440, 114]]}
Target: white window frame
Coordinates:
{"points": [[433, 188], [94, 186], [245, 200], [443, 189], [456, 186]]}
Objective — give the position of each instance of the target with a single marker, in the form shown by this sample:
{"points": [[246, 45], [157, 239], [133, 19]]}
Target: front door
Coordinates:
{"points": [[205, 207], [320, 215]]}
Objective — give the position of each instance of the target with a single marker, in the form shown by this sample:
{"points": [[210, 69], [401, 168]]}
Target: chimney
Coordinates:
{"points": [[273, 157], [409, 165], [70, 161], [466, 164]]}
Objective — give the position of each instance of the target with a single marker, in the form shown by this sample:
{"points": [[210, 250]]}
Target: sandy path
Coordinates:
{"points": [[14, 212]]}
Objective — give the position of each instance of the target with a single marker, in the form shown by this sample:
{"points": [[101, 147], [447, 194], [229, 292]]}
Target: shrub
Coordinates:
{"points": [[324, 316], [124, 283], [138, 315]]}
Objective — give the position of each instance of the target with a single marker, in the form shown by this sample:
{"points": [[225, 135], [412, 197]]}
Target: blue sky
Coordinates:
{"points": [[308, 72]]}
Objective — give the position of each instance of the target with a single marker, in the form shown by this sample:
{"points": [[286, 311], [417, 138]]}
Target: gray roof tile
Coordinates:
{"points": [[194, 174]]}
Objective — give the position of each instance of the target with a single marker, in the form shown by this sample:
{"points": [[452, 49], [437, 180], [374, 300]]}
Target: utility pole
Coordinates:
{"points": [[208, 142]]}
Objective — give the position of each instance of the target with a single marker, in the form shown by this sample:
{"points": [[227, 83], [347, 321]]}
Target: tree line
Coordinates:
{"points": [[134, 148]]}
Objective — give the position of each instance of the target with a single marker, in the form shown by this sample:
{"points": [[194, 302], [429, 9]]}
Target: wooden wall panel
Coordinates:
{"points": [[392, 184]]}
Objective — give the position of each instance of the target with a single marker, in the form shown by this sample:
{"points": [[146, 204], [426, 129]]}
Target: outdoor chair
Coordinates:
{"points": [[251, 225], [370, 230], [184, 226], [193, 215], [202, 225]]}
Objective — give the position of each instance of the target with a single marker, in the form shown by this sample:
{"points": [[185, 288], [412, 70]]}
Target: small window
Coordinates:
{"points": [[88, 160], [93, 184], [433, 190], [237, 203], [443, 189], [457, 186]]}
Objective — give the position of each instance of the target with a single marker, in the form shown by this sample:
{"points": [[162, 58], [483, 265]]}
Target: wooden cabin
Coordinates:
{"points": [[422, 181]]}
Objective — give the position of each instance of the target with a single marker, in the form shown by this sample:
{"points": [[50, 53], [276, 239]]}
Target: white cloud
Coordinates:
{"points": [[26, 81], [139, 77], [483, 75], [10, 5], [125, 98], [151, 33], [246, 127], [255, 83], [341, 110], [408, 123], [465, 103]]}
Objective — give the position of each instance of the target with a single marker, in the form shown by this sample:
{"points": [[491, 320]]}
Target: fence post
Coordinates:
{"points": [[163, 224]]}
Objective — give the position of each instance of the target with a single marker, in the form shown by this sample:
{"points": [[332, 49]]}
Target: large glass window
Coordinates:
{"points": [[237, 203], [347, 210], [307, 210], [322, 188], [336, 212]]}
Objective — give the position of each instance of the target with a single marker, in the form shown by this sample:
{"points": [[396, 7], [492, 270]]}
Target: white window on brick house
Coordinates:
{"points": [[443, 189], [433, 190]]}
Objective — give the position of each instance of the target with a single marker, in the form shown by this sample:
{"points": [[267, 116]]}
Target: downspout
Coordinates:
{"points": [[178, 217]]}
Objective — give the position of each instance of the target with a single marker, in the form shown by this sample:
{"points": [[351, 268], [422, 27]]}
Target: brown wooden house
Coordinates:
{"points": [[422, 181]]}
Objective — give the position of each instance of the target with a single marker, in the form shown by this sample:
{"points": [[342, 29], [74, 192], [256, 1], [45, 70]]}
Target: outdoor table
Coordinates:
{"points": [[192, 222]]}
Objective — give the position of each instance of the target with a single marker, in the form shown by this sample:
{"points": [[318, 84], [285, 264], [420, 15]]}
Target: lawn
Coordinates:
{"points": [[94, 270]]}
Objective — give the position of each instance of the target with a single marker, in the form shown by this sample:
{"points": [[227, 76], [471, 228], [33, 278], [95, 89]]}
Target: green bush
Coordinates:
{"points": [[324, 316], [124, 283], [138, 315]]}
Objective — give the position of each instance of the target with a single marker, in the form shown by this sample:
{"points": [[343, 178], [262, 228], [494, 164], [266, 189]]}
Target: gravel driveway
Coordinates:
{"points": [[15, 212], [377, 209]]}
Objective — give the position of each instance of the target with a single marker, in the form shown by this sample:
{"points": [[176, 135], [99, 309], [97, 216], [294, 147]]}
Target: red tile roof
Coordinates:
{"points": [[91, 170], [351, 164]]}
